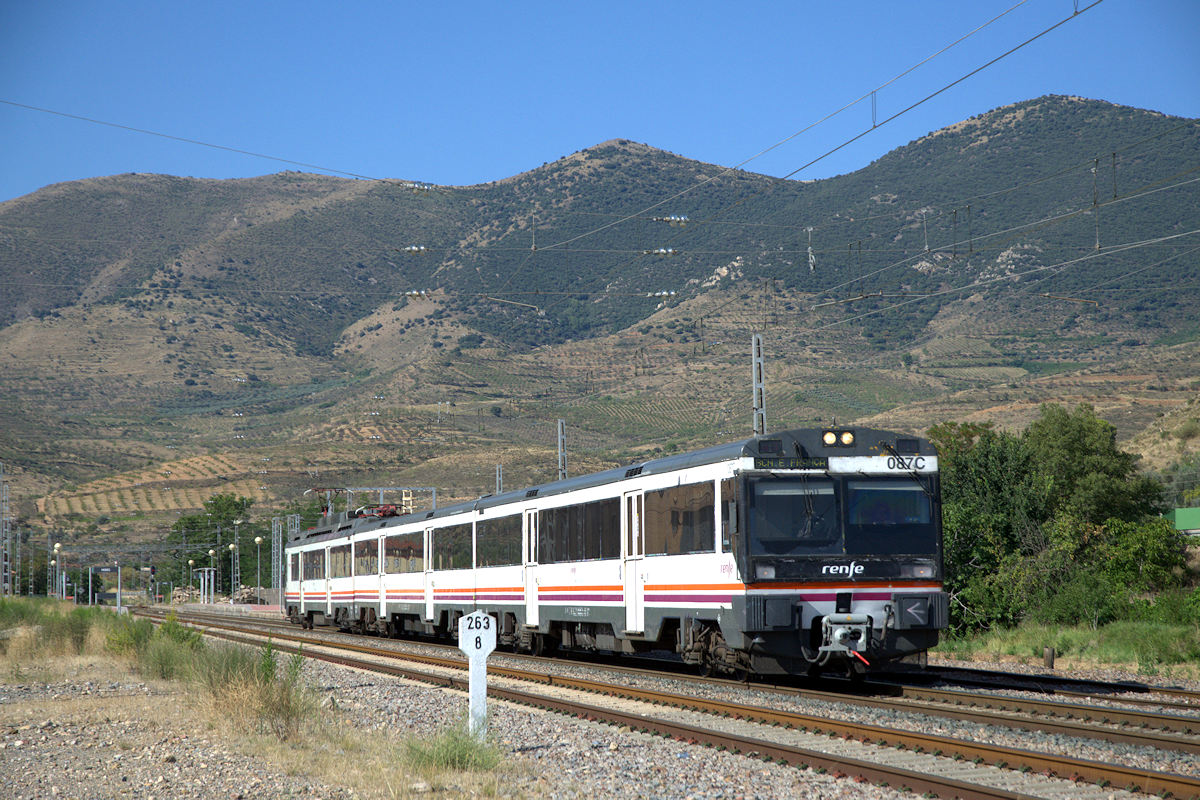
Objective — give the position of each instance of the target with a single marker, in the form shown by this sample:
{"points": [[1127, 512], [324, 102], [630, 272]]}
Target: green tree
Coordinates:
{"points": [[1054, 524], [1147, 555], [994, 501], [1088, 475], [194, 535]]}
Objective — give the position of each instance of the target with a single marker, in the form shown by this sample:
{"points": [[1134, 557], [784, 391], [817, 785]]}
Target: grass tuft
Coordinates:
{"points": [[246, 685], [452, 749]]}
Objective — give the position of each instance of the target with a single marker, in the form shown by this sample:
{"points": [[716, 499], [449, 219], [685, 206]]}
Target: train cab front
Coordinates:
{"points": [[842, 551]]}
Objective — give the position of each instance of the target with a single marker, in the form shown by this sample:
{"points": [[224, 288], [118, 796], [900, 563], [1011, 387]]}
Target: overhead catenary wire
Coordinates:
{"points": [[1027, 226], [979, 284], [849, 141], [803, 130], [199, 142]]}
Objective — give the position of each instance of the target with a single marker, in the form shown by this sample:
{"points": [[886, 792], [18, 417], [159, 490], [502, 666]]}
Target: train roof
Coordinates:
{"points": [[799, 442]]}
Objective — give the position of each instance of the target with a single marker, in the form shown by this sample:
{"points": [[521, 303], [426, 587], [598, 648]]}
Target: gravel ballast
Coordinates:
{"points": [[99, 731], [78, 738]]}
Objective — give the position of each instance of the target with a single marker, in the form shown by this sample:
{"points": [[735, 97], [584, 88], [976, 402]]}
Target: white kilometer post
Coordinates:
{"points": [[477, 638]]}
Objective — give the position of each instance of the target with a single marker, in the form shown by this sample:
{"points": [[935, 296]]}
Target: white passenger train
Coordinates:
{"points": [[782, 554]]}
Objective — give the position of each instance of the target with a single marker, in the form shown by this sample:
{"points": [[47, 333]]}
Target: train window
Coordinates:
{"points": [[499, 541], [366, 557], [889, 517], [728, 515], [794, 517], [452, 547], [680, 520], [314, 565], [339, 561], [404, 552], [604, 523], [294, 567], [580, 533]]}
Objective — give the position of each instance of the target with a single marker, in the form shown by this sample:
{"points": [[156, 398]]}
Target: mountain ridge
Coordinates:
{"points": [[152, 315]]}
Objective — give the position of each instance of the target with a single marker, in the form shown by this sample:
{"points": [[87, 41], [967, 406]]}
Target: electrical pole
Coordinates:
{"points": [[562, 450], [276, 557], [6, 581], [760, 390]]}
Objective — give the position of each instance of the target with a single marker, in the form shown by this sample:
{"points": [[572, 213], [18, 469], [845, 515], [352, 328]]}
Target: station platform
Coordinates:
{"points": [[232, 609]]}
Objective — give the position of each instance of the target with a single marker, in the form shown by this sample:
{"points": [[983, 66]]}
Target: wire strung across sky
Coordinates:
{"points": [[870, 94], [711, 220], [715, 220]]}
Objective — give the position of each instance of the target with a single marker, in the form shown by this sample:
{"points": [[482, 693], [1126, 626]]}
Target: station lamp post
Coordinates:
{"points": [[191, 572], [233, 577], [257, 568]]}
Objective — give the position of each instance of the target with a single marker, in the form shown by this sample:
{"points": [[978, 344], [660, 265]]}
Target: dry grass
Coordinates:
{"points": [[317, 746], [28, 653], [382, 770]]}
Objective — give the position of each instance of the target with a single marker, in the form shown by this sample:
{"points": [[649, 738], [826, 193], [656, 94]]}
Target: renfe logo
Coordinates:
{"points": [[853, 568]]}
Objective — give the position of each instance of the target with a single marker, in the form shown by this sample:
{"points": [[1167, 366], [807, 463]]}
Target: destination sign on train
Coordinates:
{"points": [[812, 462]]}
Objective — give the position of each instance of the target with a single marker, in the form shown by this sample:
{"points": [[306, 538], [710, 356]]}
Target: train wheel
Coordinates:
{"points": [[542, 645]]}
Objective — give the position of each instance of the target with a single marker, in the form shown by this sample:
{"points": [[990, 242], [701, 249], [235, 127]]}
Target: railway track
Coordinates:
{"points": [[1059, 685], [940, 765], [1109, 722]]}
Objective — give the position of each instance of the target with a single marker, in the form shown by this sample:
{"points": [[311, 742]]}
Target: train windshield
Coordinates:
{"points": [[889, 517], [794, 517], [803, 517]]}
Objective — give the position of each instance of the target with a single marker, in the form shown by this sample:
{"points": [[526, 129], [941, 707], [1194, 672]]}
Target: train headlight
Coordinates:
{"points": [[916, 571], [837, 438], [765, 572]]}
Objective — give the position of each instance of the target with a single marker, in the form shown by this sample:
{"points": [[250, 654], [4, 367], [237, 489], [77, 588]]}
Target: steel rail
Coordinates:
{"points": [[935, 702], [1053, 684], [1067, 767], [1055, 708]]}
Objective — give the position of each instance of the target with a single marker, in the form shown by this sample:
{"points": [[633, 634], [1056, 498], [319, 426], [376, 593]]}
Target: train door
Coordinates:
{"points": [[633, 554], [532, 617], [328, 596], [300, 581], [429, 574], [383, 612]]}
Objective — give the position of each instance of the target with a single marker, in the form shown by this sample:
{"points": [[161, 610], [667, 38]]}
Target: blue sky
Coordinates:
{"points": [[468, 92]]}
